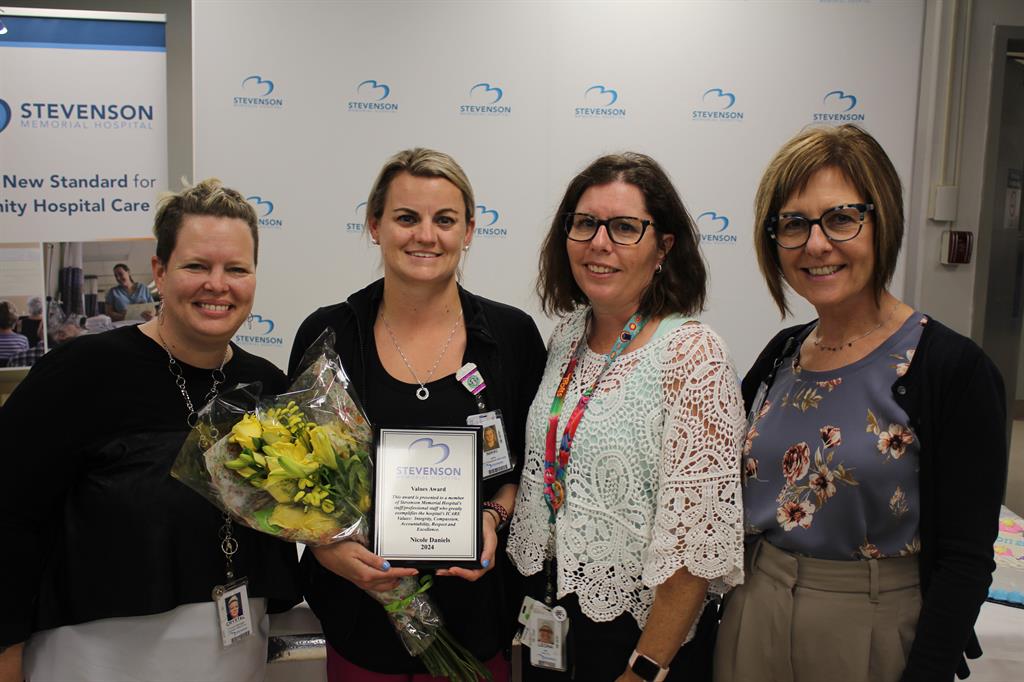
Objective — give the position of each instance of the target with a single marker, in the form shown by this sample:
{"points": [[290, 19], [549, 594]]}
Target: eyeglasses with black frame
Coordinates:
{"points": [[838, 224], [623, 230]]}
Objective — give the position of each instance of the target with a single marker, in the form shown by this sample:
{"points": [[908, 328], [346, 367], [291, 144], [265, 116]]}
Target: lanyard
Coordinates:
{"points": [[555, 467]]}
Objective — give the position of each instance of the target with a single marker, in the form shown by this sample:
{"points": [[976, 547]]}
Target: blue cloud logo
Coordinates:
{"points": [[265, 207], [601, 90], [713, 220], [490, 213], [840, 97], [378, 91], [260, 325], [5, 115], [487, 88], [428, 444], [258, 81], [720, 96]]}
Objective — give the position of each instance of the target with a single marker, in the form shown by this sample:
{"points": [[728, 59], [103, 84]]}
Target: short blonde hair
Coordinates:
{"points": [[863, 162], [209, 197]]}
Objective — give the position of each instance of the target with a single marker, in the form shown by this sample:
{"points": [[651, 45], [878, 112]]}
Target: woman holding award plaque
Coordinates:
{"points": [[628, 514], [406, 340]]}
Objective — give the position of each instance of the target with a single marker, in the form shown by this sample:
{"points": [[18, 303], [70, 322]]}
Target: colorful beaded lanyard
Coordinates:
{"points": [[554, 468]]}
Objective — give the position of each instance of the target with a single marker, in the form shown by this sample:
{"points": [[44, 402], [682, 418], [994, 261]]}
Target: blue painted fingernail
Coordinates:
{"points": [[485, 563], [386, 566]]}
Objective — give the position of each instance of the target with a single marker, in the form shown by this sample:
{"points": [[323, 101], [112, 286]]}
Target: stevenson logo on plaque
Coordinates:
{"points": [[428, 497]]}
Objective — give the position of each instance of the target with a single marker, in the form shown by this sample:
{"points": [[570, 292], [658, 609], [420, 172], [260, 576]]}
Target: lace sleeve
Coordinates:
{"points": [[699, 515]]}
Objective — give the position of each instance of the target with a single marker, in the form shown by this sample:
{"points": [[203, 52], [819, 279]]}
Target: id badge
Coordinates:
{"points": [[548, 647], [233, 614], [497, 459]]}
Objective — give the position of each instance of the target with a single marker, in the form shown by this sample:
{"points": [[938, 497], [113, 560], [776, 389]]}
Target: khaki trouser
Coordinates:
{"points": [[797, 619]]}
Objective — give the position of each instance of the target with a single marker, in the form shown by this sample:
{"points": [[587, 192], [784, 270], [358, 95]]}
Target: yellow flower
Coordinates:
{"points": [[342, 442], [323, 452], [289, 460], [296, 518], [274, 431], [244, 431], [281, 490]]}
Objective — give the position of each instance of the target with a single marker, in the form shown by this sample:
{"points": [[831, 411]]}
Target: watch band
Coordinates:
{"points": [[646, 668]]}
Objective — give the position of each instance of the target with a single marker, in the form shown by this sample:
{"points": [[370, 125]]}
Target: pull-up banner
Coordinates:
{"points": [[83, 133]]}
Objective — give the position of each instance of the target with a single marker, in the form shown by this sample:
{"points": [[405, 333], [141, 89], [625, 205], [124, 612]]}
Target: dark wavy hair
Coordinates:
{"points": [[681, 287]]}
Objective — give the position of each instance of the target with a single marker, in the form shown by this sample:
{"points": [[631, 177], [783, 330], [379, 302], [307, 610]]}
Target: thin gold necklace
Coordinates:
{"points": [[849, 344]]}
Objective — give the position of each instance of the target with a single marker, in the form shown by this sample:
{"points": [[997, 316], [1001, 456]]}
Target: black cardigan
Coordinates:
{"points": [[505, 344], [954, 397]]}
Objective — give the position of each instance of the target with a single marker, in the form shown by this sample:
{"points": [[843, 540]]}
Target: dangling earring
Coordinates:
{"points": [[657, 270], [466, 247]]}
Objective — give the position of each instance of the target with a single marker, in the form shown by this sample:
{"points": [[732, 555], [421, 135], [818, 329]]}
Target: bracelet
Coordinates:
{"points": [[500, 511]]}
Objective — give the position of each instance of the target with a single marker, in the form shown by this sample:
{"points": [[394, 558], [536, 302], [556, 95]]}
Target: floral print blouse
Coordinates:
{"points": [[830, 466]]}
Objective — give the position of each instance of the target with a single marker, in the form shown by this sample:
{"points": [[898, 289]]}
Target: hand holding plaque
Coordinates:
{"points": [[428, 497]]}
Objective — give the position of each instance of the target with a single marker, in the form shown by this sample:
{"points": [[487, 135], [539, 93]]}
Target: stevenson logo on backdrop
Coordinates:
{"points": [[714, 228], [78, 115], [488, 223], [838, 107], [356, 225], [599, 101], [484, 101], [256, 94], [258, 331], [717, 105], [265, 212], [372, 96]]}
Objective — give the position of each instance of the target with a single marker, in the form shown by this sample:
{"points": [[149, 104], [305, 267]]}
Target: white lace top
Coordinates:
{"points": [[653, 482]]}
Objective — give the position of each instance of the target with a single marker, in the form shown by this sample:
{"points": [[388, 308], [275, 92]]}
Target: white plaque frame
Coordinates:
{"points": [[427, 497]]}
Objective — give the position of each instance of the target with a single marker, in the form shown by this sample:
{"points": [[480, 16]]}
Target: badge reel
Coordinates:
{"points": [[544, 631], [232, 598], [497, 459]]}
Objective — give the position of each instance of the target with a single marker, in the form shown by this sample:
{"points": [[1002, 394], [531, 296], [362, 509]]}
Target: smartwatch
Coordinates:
{"points": [[645, 668]]}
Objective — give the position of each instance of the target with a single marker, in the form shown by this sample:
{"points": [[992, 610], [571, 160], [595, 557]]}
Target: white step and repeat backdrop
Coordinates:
{"points": [[299, 103]]}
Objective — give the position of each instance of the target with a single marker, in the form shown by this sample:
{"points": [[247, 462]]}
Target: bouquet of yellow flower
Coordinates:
{"points": [[298, 466]]}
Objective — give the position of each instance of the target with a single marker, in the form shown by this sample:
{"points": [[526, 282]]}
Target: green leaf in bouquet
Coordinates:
{"points": [[262, 518]]}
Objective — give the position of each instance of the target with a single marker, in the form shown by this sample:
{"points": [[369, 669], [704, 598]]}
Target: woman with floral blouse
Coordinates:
{"points": [[875, 456]]}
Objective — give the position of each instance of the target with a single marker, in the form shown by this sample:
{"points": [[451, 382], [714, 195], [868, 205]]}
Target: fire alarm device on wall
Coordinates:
{"points": [[956, 247]]}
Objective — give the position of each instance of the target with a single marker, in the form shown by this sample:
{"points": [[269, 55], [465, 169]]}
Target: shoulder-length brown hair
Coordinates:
{"points": [[859, 157], [681, 287]]}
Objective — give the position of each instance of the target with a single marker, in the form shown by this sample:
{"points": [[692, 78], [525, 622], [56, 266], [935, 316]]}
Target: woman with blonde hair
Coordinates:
{"points": [[401, 340]]}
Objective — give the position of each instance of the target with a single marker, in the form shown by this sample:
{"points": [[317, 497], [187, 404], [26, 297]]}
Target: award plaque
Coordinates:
{"points": [[427, 497]]}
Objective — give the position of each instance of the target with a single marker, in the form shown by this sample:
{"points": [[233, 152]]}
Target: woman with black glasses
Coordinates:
{"points": [[627, 519], [875, 456]]}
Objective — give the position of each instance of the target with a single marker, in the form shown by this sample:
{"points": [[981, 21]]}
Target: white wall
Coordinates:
{"points": [[953, 294], [310, 154]]}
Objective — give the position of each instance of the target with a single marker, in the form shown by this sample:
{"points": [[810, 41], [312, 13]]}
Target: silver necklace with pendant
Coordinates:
{"points": [[228, 543], [422, 392]]}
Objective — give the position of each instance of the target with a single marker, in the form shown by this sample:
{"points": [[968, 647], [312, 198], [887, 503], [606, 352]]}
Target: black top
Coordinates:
{"points": [[30, 329], [95, 525], [506, 346], [956, 403]]}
